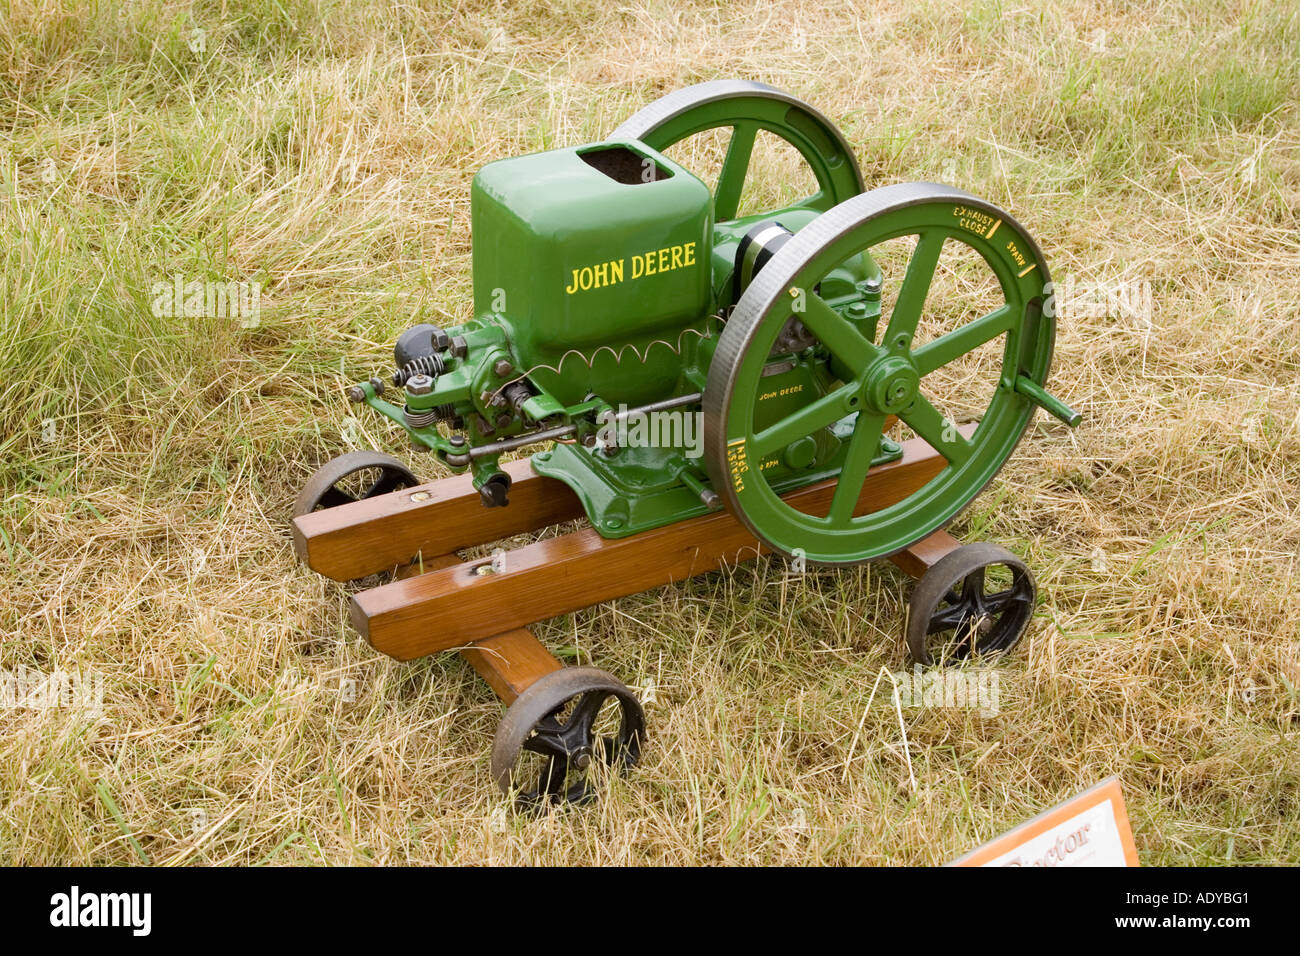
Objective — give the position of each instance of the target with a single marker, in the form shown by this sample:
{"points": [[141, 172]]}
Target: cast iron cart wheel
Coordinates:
{"points": [[952, 615], [745, 107], [872, 379], [351, 477], [559, 736]]}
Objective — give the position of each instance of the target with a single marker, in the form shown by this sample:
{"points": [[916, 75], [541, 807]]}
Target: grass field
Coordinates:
{"points": [[325, 149]]}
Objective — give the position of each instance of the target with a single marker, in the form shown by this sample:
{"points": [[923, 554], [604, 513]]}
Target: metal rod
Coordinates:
{"points": [[563, 431], [510, 444], [1048, 403], [661, 406]]}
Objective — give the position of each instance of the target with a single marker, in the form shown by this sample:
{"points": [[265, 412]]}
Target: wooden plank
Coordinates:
{"points": [[458, 605], [510, 662], [921, 556], [377, 534]]}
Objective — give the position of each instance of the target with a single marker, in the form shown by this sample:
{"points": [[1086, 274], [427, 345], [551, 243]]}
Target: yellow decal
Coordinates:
{"points": [[975, 220], [788, 390], [649, 263], [737, 462]]}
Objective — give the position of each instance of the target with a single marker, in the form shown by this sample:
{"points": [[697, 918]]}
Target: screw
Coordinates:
{"points": [[420, 496], [459, 347], [378, 385], [503, 369]]}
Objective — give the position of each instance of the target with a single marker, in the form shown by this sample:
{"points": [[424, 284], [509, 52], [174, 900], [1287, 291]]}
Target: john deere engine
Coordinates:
{"points": [[681, 357]]}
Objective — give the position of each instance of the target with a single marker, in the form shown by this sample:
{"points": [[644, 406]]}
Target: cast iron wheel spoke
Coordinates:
{"points": [[388, 481], [948, 619], [999, 602], [952, 345], [584, 715], [942, 435], [825, 411], [867, 432], [554, 776], [837, 333], [916, 286], [731, 181], [547, 743], [972, 591], [335, 497]]}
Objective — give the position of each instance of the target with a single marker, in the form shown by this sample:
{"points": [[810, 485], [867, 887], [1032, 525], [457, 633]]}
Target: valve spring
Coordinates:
{"points": [[431, 365], [426, 417]]}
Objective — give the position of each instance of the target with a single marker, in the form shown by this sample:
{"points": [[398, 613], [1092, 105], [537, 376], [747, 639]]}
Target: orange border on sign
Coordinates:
{"points": [[1108, 789]]}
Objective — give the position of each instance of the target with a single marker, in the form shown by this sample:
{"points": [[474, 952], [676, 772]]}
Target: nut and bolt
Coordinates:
{"points": [[356, 395], [459, 347], [502, 368], [419, 385]]}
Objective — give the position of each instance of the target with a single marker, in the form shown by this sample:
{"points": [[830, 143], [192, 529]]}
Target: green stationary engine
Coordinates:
{"points": [[680, 358]]}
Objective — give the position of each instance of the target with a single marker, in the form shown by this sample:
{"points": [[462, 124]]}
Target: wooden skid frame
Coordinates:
{"points": [[442, 602]]}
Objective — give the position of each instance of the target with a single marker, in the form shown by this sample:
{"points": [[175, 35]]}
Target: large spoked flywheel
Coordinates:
{"points": [[876, 374], [745, 108]]}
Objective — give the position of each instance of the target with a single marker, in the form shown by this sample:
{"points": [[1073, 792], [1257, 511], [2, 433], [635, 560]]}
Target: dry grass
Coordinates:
{"points": [[326, 149]]}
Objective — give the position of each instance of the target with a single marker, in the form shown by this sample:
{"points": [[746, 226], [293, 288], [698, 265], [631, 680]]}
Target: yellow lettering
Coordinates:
{"points": [[688, 254], [677, 257], [616, 271], [573, 287]]}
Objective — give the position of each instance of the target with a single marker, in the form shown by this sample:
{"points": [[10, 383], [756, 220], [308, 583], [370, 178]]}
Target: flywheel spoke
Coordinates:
{"points": [[825, 411], [959, 341], [857, 462], [916, 286], [941, 434], [837, 333], [731, 181]]}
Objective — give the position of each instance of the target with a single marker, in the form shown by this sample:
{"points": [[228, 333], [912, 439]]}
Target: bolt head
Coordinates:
{"points": [[503, 369], [419, 385], [356, 395]]}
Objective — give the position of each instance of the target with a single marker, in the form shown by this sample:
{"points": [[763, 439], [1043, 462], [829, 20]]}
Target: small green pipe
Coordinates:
{"points": [[1048, 403]]}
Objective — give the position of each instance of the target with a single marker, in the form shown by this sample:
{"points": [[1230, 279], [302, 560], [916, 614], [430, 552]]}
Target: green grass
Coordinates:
{"points": [[325, 149]]}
